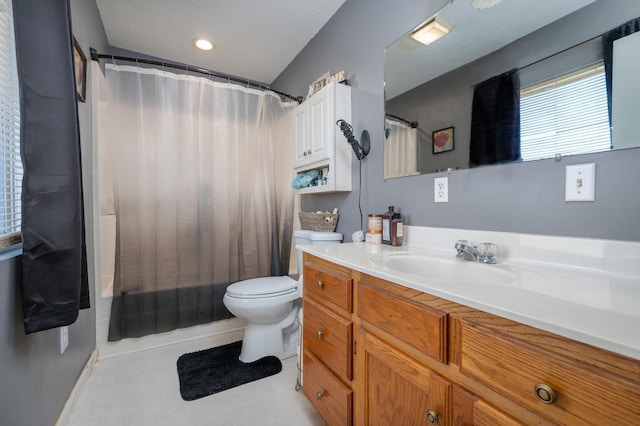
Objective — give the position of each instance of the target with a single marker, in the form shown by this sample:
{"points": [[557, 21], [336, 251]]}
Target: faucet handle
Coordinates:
{"points": [[460, 245], [487, 252]]}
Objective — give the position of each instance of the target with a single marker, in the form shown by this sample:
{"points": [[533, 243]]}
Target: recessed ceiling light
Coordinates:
{"points": [[203, 44]]}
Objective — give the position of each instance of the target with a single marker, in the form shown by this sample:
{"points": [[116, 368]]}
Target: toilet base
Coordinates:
{"points": [[279, 339]]}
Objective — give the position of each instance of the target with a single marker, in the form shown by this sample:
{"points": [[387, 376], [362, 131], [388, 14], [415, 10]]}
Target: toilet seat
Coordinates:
{"points": [[259, 288]]}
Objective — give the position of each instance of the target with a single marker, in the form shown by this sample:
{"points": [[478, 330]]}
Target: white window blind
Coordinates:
{"points": [[566, 115], [10, 164]]}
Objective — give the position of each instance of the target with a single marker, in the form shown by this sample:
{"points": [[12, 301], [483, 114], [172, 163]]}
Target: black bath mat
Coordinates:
{"points": [[210, 371]]}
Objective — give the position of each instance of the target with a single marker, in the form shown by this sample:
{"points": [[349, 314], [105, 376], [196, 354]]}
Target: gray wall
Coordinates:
{"points": [[527, 198], [36, 379]]}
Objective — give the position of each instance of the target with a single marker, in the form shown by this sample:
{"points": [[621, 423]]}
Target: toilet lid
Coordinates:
{"points": [[262, 287]]}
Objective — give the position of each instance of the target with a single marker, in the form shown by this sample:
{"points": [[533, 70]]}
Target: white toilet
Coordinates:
{"points": [[270, 306]]}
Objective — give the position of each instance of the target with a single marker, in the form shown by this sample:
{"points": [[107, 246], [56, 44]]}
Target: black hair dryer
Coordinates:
{"points": [[361, 151]]}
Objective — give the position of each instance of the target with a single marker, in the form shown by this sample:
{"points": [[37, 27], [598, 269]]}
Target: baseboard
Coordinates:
{"points": [[72, 400], [217, 333]]}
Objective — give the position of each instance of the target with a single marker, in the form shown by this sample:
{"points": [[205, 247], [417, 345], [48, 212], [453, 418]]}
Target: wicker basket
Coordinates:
{"points": [[318, 222]]}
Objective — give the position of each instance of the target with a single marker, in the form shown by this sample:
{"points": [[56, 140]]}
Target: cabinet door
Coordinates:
{"points": [[394, 389], [320, 125], [301, 135], [469, 410]]}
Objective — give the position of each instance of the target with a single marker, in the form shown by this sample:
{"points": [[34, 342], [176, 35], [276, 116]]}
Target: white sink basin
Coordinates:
{"points": [[445, 269]]}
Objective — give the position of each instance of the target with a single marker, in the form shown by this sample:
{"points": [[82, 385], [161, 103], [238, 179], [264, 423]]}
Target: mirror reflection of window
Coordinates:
{"points": [[565, 115], [400, 149]]}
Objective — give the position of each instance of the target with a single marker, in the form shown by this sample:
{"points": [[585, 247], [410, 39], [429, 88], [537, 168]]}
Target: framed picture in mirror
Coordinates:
{"points": [[442, 140], [80, 69]]}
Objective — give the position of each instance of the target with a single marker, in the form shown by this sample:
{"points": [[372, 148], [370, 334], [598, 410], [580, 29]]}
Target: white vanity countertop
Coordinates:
{"points": [[576, 295]]}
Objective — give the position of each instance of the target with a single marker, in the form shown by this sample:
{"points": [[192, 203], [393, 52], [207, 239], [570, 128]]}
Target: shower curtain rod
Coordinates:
{"points": [[97, 56], [551, 55], [412, 124]]}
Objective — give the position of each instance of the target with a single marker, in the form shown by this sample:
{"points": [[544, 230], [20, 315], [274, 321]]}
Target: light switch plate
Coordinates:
{"points": [[580, 184]]}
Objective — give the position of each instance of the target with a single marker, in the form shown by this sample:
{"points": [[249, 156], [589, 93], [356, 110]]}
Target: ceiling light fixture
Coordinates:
{"points": [[430, 32], [484, 4], [203, 44]]}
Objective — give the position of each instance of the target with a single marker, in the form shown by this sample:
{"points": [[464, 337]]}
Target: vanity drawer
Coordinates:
{"points": [[328, 336], [329, 396], [585, 395], [328, 283], [421, 326]]}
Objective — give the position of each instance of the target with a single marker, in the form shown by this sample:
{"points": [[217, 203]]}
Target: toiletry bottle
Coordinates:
{"points": [[374, 229], [386, 225], [397, 230]]}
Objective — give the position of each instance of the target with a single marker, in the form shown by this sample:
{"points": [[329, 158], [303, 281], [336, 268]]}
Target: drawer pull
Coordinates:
{"points": [[320, 285], [545, 393], [320, 395], [432, 417], [319, 334]]}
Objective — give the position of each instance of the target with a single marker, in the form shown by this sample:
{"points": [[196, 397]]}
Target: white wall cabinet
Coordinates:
{"points": [[319, 143]]}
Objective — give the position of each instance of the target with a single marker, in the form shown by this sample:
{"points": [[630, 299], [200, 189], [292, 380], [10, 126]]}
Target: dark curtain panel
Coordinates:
{"points": [[495, 121], [54, 271], [608, 38]]}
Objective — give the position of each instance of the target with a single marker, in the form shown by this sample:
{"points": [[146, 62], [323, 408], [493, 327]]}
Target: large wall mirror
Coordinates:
{"points": [[552, 47]]}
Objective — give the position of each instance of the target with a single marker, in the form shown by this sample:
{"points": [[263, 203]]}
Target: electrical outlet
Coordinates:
{"points": [[441, 190], [580, 182], [64, 338]]}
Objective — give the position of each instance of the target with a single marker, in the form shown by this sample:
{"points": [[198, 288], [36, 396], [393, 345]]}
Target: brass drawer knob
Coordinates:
{"points": [[545, 393], [432, 417], [320, 285], [319, 334], [320, 395]]}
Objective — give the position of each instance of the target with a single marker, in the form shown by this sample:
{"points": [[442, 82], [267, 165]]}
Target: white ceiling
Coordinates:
{"points": [[254, 39], [474, 34]]}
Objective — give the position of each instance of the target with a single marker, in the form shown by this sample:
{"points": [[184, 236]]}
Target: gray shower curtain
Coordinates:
{"points": [[54, 264], [202, 195]]}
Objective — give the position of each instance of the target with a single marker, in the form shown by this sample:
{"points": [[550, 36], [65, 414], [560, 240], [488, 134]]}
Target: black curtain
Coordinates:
{"points": [[608, 38], [54, 268], [495, 121]]}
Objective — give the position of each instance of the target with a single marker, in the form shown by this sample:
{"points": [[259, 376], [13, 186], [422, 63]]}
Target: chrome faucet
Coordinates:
{"points": [[483, 253]]}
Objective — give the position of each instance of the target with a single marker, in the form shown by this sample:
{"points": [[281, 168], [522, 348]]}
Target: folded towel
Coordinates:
{"points": [[305, 179]]}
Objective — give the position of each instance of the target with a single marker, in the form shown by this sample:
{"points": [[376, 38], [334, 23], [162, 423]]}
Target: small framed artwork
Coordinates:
{"points": [[80, 67], [443, 140]]}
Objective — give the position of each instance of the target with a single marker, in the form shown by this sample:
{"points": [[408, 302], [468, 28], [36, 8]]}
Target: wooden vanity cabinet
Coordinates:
{"points": [[406, 362], [327, 339], [421, 359]]}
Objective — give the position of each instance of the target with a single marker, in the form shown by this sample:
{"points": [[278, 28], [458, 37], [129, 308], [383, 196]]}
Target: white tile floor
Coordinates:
{"points": [[142, 389]]}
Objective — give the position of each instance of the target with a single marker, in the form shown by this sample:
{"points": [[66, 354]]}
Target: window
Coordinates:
{"points": [[566, 115], [10, 164]]}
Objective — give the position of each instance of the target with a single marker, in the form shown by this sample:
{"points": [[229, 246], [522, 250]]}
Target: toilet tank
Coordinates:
{"points": [[312, 237]]}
